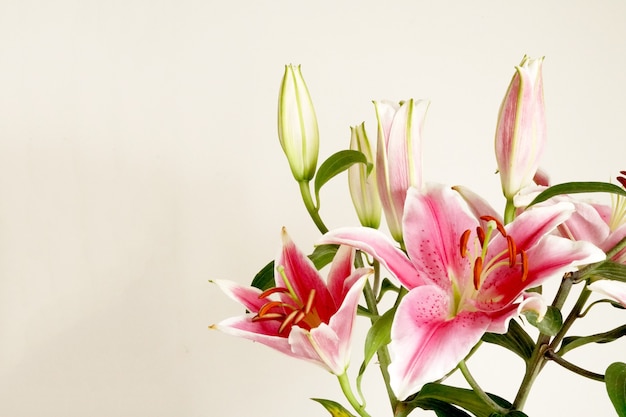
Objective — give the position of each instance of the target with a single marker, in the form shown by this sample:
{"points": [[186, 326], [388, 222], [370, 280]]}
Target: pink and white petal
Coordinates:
{"points": [[381, 247], [613, 240], [248, 296], [477, 205], [616, 290], [531, 225], [320, 346], [433, 224], [342, 323], [533, 302], [264, 332], [303, 277], [552, 257], [586, 223], [340, 270], [425, 342], [500, 319]]}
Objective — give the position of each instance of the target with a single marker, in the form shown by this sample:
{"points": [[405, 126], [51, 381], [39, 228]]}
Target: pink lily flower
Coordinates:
{"points": [[521, 129], [464, 279], [302, 316], [398, 156]]}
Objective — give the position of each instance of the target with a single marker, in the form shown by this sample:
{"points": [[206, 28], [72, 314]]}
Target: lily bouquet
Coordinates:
{"points": [[449, 272]]}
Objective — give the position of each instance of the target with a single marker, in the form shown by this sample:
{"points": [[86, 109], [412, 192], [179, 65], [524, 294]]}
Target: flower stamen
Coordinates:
{"points": [[463, 244], [524, 265], [478, 269]]}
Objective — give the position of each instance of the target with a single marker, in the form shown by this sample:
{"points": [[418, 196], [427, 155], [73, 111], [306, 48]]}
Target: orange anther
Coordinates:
{"points": [[309, 302], [478, 269], [463, 244], [268, 316], [524, 265], [267, 307], [512, 250], [288, 320], [481, 235], [271, 291]]}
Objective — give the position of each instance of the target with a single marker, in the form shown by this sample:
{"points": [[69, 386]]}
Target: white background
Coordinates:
{"points": [[139, 159]]}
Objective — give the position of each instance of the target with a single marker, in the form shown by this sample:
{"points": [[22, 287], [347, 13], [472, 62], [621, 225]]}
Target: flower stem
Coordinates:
{"points": [[538, 358], [383, 353], [344, 382], [509, 211], [311, 207], [479, 391]]}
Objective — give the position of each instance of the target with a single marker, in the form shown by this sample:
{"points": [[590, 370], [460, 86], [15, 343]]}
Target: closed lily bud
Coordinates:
{"points": [[363, 188], [398, 156], [521, 129], [297, 125]]}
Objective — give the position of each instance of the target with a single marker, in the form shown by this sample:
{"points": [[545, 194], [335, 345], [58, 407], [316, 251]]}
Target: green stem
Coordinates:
{"points": [[550, 354], [344, 382], [538, 359], [384, 359], [311, 207], [573, 315], [509, 211], [479, 391]]}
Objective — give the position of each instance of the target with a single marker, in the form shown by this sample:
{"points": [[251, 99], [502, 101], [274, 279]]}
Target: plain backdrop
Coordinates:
{"points": [[139, 159]]}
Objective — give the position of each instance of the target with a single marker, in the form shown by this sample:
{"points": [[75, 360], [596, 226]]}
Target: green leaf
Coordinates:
{"points": [[578, 187], [464, 398], [335, 409], [515, 339], [615, 380], [336, 164], [321, 256], [442, 408], [379, 335], [608, 270], [551, 322], [573, 342], [264, 279]]}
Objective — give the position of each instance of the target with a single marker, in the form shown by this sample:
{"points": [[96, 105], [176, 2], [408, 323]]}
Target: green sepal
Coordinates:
{"points": [[334, 408], [573, 342], [515, 339], [551, 322], [321, 256], [615, 381], [336, 164], [578, 187], [379, 335], [461, 397]]}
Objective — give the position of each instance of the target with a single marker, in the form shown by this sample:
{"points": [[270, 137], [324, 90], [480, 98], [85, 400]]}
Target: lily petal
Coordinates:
{"points": [[381, 247], [425, 342], [616, 290]]}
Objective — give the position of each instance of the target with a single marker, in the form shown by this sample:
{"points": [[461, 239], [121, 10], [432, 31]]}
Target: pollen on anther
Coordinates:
{"points": [[512, 250], [499, 225], [481, 235], [478, 270], [524, 265], [463, 244], [271, 291], [288, 320], [309, 302]]}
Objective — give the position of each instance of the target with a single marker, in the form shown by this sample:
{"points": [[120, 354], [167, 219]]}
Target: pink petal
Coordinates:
{"points": [[380, 247], [340, 270], [303, 277], [425, 342], [343, 321], [552, 257], [477, 205], [264, 332], [586, 223], [433, 225], [530, 226], [320, 346], [248, 296], [613, 289]]}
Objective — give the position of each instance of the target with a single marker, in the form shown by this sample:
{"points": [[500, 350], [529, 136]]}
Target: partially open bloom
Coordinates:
{"points": [[363, 189], [297, 125], [302, 316], [398, 156], [521, 129], [465, 276]]}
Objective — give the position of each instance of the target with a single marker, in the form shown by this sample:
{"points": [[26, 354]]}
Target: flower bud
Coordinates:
{"points": [[521, 129], [297, 125], [363, 188], [398, 156]]}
